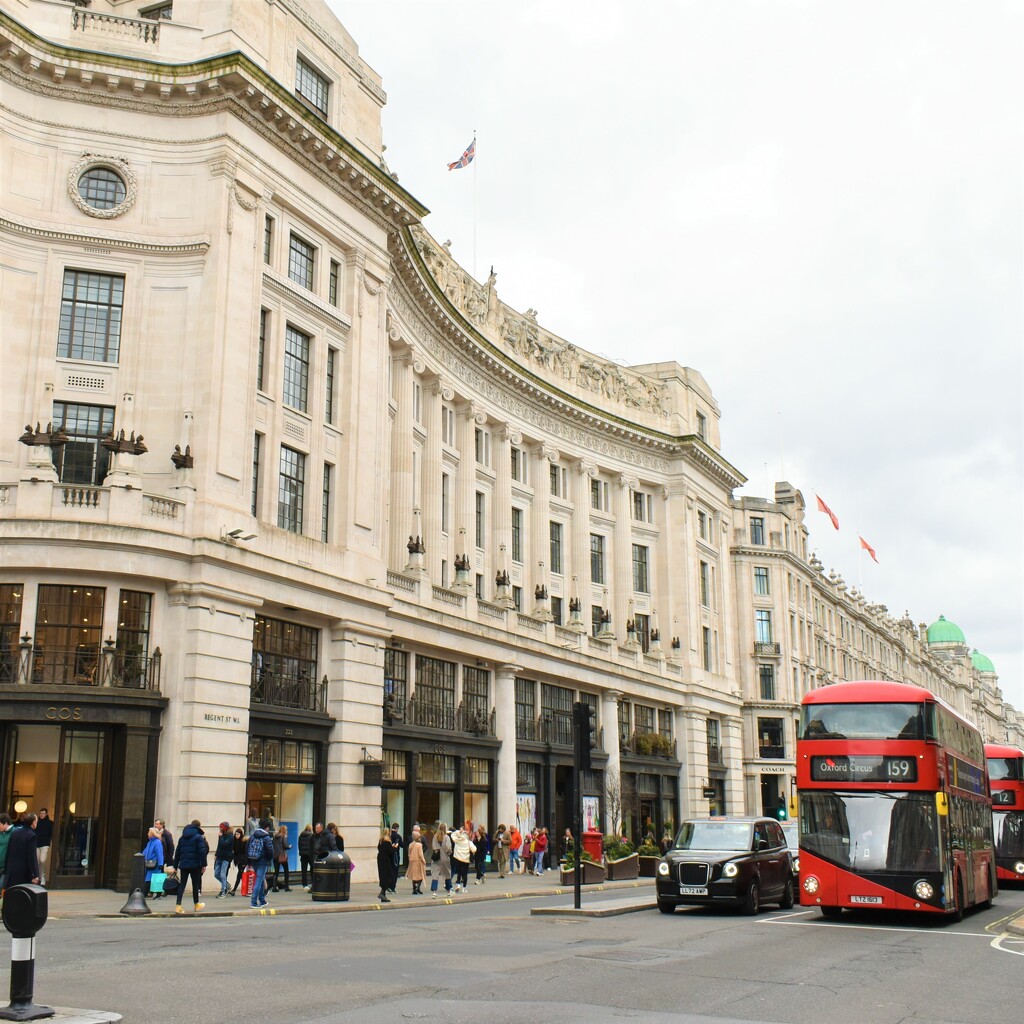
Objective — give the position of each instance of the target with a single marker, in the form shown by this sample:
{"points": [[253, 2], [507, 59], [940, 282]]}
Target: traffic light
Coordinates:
{"points": [[583, 733], [781, 813]]}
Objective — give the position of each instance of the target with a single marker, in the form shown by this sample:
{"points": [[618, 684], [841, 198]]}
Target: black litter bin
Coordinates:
{"points": [[332, 877]]}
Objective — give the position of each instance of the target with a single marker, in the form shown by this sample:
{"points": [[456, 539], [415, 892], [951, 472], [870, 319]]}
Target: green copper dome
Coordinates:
{"points": [[945, 632], [982, 663]]}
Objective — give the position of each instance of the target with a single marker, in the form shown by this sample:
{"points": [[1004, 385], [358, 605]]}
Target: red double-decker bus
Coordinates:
{"points": [[1006, 779], [894, 802]]}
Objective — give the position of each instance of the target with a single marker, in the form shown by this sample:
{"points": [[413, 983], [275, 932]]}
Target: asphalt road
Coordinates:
{"points": [[485, 962]]}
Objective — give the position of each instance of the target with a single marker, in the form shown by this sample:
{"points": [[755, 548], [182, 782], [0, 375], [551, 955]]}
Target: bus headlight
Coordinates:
{"points": [[810, 884], [1019, 867], [730, 870], [663, 869], [924, 890]]}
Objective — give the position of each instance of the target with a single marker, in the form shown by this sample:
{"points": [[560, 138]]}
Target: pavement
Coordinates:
{"points": [[105, 903]]}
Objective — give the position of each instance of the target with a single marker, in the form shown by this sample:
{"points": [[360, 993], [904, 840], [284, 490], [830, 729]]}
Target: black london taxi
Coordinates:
{"points": [[742, 862]]}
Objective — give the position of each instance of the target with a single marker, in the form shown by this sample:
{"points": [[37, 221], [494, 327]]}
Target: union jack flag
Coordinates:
{"points": [[466, 159]]}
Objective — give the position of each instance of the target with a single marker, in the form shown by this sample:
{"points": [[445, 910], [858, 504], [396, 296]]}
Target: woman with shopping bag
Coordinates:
{"points": [[154, 855]]}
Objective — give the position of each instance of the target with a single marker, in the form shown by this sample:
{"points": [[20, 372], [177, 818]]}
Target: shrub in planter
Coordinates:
{"points": [[624, 868], [649, 857], [615, 848]]}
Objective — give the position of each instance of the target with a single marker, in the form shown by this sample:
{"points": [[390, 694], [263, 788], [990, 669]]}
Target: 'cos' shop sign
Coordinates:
{"points": [[63, 714]]}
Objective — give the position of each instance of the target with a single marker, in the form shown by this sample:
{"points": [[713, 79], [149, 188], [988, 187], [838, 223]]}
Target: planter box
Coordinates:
{"points": [[621, 870], [649, 866], [593, 874]]}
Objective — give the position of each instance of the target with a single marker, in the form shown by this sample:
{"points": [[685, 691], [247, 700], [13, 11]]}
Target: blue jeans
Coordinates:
{"points": [[259, 895], [447, 884], [220, 872], [538, 860], [513, 860]]}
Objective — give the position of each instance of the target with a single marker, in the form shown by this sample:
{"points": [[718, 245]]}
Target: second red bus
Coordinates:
{"points": [[1006, 781]]}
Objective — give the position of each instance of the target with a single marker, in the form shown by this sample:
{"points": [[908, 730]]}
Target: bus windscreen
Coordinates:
{"points": [[862, 722]]}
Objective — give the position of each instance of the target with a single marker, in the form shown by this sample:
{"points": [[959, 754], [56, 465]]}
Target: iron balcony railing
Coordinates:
{"points": [[429, 714], [285, 690], [769, 751], [767, 647], [555, 729], [31, 664]]}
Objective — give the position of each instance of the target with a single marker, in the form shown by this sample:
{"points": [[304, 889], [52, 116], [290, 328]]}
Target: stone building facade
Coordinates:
{"points": [[298, 518]]}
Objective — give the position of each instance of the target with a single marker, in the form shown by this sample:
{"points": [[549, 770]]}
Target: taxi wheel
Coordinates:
{"points": [[666, 908], [752, 901], [786, 903]]}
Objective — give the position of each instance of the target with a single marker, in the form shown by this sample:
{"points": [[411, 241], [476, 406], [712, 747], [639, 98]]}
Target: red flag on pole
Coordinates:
{"points": [[867, 547], [822, 507]]}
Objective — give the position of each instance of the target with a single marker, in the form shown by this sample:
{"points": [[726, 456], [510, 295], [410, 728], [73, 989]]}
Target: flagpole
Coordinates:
{"points": [[475, 163]]}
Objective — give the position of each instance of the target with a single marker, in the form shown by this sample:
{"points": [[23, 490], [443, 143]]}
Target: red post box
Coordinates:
{"points": [[592, 844]]}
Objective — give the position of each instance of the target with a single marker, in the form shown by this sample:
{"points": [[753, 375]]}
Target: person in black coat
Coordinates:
{"points": [[385, 864], [223, 857], [166, 838], [483, 846], [306, 853], [239, 857], [396, 856], [190, 862], [22, 861], [44, 837]]}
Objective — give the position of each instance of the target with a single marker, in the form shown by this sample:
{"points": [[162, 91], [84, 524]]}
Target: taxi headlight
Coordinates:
{"points": [[730, 870], [1019, 867], [811, 884], [663, 869], [796, 864], [924, 890]]}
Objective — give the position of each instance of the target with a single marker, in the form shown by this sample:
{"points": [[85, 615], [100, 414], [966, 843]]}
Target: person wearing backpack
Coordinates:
{"points": [[260, 853]]}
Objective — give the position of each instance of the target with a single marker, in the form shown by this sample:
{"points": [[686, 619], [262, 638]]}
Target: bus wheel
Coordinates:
{"points": [[786, 903], [752, 901], [830, 912], [958, 908]]}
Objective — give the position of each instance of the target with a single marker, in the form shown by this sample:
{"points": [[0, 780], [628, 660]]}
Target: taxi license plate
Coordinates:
{"points": [[693, 890], [866, 899]]}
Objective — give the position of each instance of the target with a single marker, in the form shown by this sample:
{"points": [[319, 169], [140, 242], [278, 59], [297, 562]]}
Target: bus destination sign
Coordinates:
{"points": [[862, 768]]}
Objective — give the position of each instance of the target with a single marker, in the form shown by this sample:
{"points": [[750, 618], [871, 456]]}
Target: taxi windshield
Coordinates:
{"points": [[713, 835]]}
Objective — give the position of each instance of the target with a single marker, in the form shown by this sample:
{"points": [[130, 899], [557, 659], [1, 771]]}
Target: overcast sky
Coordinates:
{"points": [[817, 205]]}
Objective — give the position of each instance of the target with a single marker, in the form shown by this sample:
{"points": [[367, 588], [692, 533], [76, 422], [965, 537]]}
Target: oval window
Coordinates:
{"points": [[102, 188]]}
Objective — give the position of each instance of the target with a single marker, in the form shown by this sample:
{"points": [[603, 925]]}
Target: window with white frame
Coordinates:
{"points": [[295, 391], [82, 460], [643, 507], [268, 238], [702, 426], [596, 558], [312, 86], [480, 513], [301, 261], [705, 585], [417, 402], [519, 464], [761, 580], [703, 525], [757, 530], [706, 649], [559, 482], [556, 547], [448, 425], [641, 569], [482, 444], [332, 284], [291, 485], [325, 504], [329, 386], [766, 674], [763, 626], [446, 503], [517, 535]]}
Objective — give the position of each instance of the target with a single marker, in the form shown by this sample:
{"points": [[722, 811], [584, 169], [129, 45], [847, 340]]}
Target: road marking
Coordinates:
{"points": [[870, 927], [997, 943]]}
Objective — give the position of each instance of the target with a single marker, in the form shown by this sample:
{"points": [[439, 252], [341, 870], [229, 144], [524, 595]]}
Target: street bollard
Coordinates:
{"points": [[135, 905], [24, 914]]}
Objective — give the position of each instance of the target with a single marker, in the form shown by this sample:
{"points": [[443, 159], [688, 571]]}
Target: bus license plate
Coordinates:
{"points": [[693, 890], [866, 899]]}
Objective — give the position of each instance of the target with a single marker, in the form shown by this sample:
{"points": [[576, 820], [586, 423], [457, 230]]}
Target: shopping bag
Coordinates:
{"points": [[156, 881], [248, 881]]}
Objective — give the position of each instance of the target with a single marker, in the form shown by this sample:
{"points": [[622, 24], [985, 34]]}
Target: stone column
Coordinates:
{"points": [[696, 766], [432, 480], [622, 555], [613, 769], [684, 751], [400, 517], [505, 727]]}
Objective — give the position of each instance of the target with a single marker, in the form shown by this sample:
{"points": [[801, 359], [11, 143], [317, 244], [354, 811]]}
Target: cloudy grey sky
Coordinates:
{"points": [[819, 206]]}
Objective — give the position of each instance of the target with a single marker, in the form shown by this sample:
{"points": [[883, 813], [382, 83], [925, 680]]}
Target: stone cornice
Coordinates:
{"points": [[97, 239], [283, 286], [471, 356], [230, 80]]}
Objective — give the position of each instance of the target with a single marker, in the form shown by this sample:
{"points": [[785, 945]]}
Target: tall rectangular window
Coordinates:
{"points": [[703, 530], [325, 505], [526, 709], [476, 693], [417, 402], [767, 678], [517, 598], [448, 425], [596, 558], [595, 494], [133, 620], [481, 518], [446, 503], [254, 502], [770, 741], [556, 610], [261, 354], [702, 426], [705, 585], [643, 507], [83, 460], [311, 86], [642, 626], [763, 626], [559, 478], [301, 257], [596, 611], [296, 369], [332, 284], [519, 463], [641, 577], [761, 579], [482, 442], [329, 387], [268, 238], [290, 490], [517, 535], [90, 316], [756, 530], [68, 632], [556, 547], [706, 646]]}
